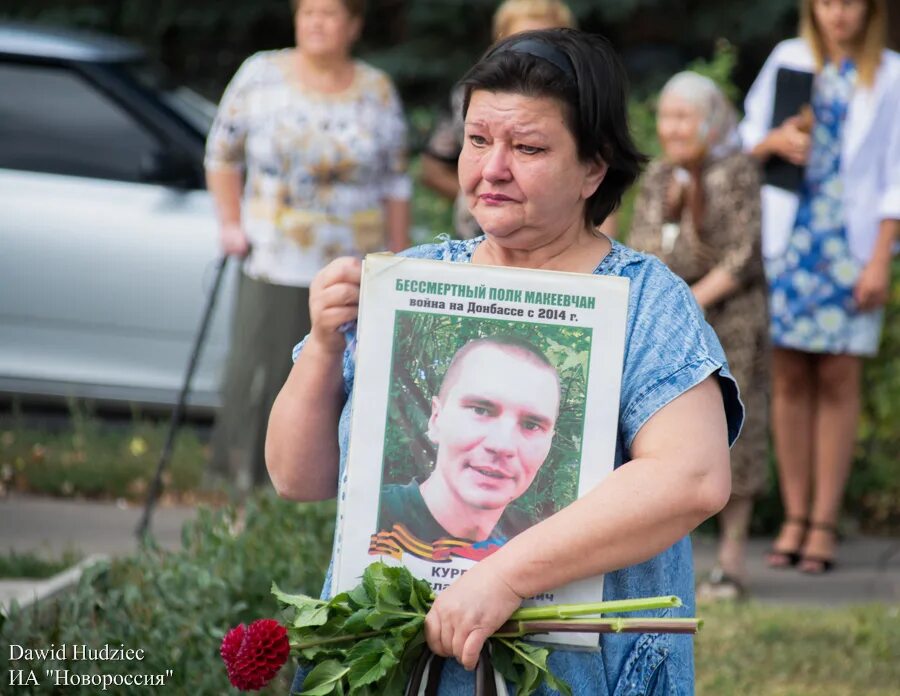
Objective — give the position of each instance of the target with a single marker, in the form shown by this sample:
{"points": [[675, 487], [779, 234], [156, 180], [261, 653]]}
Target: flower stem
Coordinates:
{"points": [[515, 629], [563, 611]]}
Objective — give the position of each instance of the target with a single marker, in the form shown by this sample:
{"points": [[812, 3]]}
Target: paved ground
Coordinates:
{"points": [[869, 568], [53, 525], [49, 527]]}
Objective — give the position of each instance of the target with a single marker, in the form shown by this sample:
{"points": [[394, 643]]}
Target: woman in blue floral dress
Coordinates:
{"points": [[828, 254], [811, 285]]}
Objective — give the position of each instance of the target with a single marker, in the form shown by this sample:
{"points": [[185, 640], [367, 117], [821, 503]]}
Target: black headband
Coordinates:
{"points": [[544, 51]]}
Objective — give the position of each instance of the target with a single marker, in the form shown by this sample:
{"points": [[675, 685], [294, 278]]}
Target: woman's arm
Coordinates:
{"points": [[679, 476], [740, 232], [714, 287], [396, 187], [396, 218], [758, 138], [787, 141], [439, 176], [302, 453], [225, 157], [873, 288], [439, 172], [225, 186]]}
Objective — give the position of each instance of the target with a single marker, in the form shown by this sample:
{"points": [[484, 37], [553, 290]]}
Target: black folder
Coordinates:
{"points": [[793, 90]]}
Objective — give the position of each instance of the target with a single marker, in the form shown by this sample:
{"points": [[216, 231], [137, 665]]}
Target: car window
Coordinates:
{"points": [[52, 120], [193, 108]]}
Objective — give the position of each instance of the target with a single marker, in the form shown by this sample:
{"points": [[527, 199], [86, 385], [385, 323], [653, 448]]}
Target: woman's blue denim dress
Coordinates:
{"points": [[669, 348]]}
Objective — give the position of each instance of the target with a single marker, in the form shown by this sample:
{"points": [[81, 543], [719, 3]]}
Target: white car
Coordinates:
{"points": [[108, 240]]}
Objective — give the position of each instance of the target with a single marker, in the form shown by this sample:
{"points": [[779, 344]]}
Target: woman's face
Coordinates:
{"points": [[325, 28], [679, 124], [519, 169], [841, 22]]}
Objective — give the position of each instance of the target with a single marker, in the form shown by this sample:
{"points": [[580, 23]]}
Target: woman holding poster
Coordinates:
{"points": [[546, 158]]}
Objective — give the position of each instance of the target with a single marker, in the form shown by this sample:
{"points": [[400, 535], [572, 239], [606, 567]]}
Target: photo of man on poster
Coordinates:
{"points": [[492, 424]]}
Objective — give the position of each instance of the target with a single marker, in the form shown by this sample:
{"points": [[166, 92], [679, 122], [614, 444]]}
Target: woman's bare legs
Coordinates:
{"points": [[793, 407], [726, 580], [836, 418], [734, 522]]}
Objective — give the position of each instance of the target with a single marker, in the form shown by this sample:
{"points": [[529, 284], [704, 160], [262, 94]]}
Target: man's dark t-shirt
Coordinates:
{"points": [[404, 504]]}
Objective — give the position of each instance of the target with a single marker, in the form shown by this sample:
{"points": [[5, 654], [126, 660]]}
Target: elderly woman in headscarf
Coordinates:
{"points": [[698, 210]]}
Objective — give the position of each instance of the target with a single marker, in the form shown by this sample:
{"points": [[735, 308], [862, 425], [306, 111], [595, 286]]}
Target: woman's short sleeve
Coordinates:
{"points": [[225, 142], [395, 181], [349, 361], [889, 204], [669, 348]]}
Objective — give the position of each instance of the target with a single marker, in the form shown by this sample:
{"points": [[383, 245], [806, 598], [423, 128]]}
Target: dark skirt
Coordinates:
{"points": [[268, 321]]}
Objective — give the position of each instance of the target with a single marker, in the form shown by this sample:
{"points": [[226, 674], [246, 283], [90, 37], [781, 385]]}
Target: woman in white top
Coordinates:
{"points": [[306, 162], [827, 254]]}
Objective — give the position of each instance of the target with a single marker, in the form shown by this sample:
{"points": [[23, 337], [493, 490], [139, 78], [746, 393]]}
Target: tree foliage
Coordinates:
{"points": [[426, 45]]}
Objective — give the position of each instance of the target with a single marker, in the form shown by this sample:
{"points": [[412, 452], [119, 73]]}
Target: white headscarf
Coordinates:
{"points": [[718, 127]]}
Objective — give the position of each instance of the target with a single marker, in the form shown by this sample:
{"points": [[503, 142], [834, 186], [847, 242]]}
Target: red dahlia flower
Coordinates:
{"points": [[254, 655]]}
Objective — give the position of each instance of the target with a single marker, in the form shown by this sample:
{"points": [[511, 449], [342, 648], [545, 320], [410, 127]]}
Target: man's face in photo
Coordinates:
{"points": [[494, 424]]}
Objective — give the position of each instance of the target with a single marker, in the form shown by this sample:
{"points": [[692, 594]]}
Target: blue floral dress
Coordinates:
{"points": [[811, 285]]}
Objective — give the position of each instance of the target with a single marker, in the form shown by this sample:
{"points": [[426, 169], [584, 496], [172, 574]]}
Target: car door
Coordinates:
{"points": [[103, 274]]}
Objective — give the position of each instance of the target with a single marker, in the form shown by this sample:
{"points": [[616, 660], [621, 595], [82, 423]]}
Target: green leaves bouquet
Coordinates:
{"points": [[371, 639]]}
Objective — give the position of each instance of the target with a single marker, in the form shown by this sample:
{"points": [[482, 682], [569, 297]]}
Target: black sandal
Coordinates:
{"points": [[787, 559], [824, 564]]}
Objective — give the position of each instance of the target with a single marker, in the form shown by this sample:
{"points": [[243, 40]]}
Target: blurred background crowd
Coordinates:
{"points": [[348, 144]]}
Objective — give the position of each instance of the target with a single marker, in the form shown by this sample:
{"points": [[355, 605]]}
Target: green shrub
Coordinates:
{"points": [[31, 565], [89, 458], [176, 606]]}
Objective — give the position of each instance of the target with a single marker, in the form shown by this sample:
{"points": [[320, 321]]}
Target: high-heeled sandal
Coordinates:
{"points": [[823, 564], [779, 558]]}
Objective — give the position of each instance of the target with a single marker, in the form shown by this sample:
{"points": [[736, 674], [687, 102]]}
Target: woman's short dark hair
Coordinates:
{"points": [[592, 87]]}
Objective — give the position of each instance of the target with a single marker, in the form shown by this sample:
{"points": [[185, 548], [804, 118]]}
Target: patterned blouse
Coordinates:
{"points": [[318, 166], [729, 239]]}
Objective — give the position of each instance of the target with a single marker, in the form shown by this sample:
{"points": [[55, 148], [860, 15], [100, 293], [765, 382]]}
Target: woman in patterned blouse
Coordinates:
{"points": [[698, 211], [306, 162]]}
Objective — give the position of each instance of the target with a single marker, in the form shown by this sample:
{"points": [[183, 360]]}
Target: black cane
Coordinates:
{"points": [[143, 527]]}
